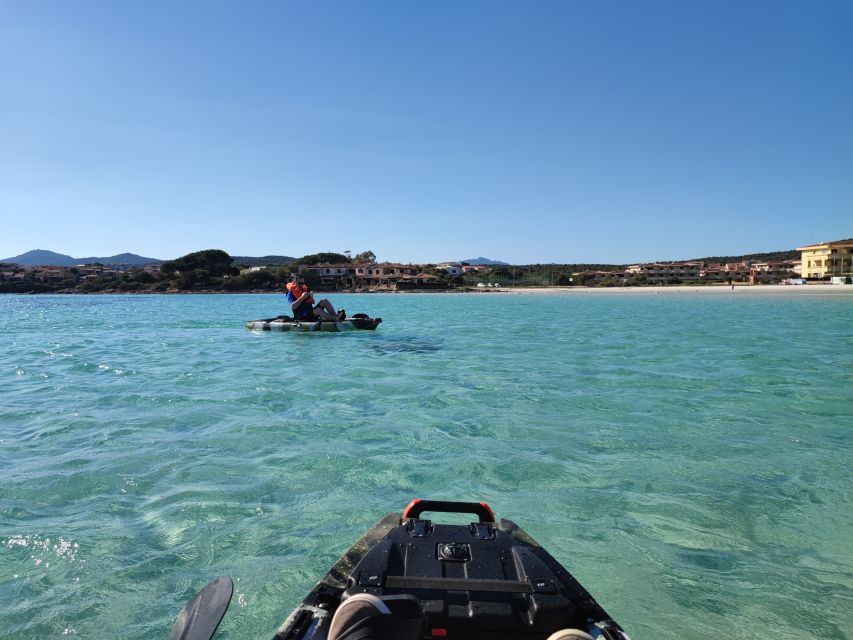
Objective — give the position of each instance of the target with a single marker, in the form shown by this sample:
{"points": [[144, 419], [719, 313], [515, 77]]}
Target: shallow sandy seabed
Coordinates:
{"points": [[824, 289]]}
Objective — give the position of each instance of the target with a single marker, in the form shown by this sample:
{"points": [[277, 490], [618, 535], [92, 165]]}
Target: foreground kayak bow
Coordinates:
{"points": [[485, 580]]}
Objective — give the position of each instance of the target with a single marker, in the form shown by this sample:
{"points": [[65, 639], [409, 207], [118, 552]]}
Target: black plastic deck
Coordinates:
{"points": [[475, 581]]}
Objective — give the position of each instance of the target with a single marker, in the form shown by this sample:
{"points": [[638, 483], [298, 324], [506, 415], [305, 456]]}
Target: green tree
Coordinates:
{"points": [[235, 283], [215, 262], [320, 258], [140, 276], [365, 256], [197, 279], [258, 279], [282, 275]]}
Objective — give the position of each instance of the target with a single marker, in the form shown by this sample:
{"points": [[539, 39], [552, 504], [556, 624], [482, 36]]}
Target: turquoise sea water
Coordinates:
{"points": [[686, 456]]}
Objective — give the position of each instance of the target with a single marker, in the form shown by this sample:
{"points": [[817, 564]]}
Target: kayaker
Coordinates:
{"points": [[302, 304]]}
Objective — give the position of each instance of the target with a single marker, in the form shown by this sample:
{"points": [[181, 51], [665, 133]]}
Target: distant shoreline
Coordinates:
{"points": [[720, 290]]}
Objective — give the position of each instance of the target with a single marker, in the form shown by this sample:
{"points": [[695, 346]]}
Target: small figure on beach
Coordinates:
{"points": [[302, 304]]}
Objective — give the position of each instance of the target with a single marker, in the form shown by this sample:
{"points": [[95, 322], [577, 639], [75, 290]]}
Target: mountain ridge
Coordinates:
{"points": [[44, 257], [484, 261]]}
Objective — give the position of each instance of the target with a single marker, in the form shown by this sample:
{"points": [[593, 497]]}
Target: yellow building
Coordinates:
{"points": [[828, 259]]}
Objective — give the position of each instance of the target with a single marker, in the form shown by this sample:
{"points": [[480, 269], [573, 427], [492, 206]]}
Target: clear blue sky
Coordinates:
{"points": [[569, 131]]}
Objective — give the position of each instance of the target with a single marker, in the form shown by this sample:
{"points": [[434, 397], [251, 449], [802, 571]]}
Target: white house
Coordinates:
{"points": [[453, 268]]}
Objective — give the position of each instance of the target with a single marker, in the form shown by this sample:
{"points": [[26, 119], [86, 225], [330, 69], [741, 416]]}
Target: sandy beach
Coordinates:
{"points": [[809, 289]]}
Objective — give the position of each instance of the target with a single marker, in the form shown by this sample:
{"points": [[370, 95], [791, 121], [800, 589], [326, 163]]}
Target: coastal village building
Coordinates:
{"points": [[714, 273], [11, 271], [827, 259], [762, 272], [356, 276], [56, 275], [667, 272], [597, 277], [92, 271], [453, 268], [737, 271], [662, 272], [796, 267], [51, 274], [420, 281]]}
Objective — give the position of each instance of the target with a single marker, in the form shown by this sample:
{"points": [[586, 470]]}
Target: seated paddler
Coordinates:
{"points": [[303, 306]]}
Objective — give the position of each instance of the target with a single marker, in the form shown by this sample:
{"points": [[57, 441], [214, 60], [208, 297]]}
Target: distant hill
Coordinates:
{"points": [[121, 258], [43, 257], [480, 261], [262, 261]]}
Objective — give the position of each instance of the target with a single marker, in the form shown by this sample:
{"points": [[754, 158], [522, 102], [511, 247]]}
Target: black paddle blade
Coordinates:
{"points": [[201, 616]]}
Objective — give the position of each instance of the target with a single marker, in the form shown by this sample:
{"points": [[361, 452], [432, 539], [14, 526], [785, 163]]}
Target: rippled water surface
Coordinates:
{"points": [[687, 457]]}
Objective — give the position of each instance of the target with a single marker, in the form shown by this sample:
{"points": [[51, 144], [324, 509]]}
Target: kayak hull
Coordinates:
{"points": [[284, 323]]}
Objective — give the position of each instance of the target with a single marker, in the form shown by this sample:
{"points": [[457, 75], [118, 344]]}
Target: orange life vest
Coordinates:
{"points": [[297, 291]]}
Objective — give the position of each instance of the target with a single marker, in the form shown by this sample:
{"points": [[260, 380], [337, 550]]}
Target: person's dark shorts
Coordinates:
{"points": [[306, 316]]}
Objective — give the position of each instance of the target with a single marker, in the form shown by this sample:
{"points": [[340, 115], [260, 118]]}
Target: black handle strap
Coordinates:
{"points": [[417, 506]]}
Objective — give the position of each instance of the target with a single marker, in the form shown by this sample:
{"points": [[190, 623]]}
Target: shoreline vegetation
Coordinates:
{"points": [[214, 271]]}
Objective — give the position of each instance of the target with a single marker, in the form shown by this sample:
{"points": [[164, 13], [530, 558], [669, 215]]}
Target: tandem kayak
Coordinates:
{"points": [[478, 581], [359, 321]]}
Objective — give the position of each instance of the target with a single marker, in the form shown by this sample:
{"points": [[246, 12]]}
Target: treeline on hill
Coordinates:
{"points": [[314, 258], [262, 261], [770, 256]]}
